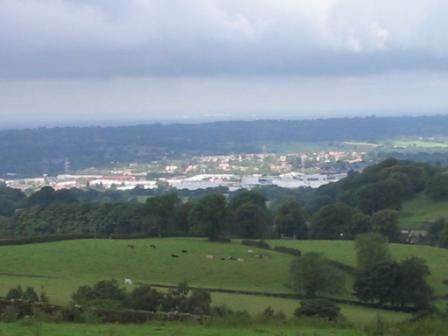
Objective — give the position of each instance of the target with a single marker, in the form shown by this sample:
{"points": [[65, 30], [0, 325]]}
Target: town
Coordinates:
{"points": [[235, 171]]}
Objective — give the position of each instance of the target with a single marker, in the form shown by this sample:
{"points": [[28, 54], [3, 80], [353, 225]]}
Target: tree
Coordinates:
{"points": [[251, 221], [313, 274], [385, 222], [443, 238], [43, 197], [15, 293], [371, 250], [106, 293], [399, 284], [437, 187], [318, 307], [435, 230], [145, 298], [199, 302], [162, 212], [413, 288], [316, 203], [377, 283], [209, 216], [30, 295], [334, 221], [10, 200], [359, 224], [379, 195], [290, 220], [247, 196]]}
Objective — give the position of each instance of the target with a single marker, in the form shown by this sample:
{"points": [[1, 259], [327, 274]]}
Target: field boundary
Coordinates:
{"points": [[285, 296]]}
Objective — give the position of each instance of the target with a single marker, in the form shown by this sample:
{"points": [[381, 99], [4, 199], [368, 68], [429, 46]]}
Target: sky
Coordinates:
{"points": [[89, 61]]}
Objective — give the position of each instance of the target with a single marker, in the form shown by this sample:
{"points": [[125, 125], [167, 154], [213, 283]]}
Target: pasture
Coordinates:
{"points": [[61, 267], [166, 329], [420, 210]]}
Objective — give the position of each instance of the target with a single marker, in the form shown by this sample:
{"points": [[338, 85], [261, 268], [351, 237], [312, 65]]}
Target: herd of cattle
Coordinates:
{"points": [[211, 257], [128, 281]]}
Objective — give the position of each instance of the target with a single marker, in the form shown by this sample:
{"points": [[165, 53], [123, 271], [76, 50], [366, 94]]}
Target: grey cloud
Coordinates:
{"points": [[102, 38]]}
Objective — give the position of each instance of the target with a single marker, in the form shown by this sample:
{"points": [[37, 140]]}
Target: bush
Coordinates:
{"points": [[30, 295], [220, 239], [10, 314], [109, 295], [106, 293], [288, 250], [256, 243], [145, 298], [15, 293], [44, 316], [199, 302], [220, 311], [268, 313], [318, 308]]}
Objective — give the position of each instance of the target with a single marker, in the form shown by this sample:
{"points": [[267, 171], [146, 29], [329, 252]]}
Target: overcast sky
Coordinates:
{"points": [[187, 60]]}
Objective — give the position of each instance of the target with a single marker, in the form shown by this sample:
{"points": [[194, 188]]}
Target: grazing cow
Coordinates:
{"points": [[131, 246], [250, 251], [240, 259], [153, 246], [184, 251], [174, 256], [231, 258], [210, 257], [128, 281]]}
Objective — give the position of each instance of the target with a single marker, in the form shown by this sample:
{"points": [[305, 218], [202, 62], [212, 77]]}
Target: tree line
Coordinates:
{"points": [[33, 152], [363, 202], [379, 279]]}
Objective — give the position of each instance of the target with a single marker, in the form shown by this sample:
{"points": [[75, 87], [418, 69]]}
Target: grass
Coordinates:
{"points": [[61, 267], [417, 212], [167, 329], [255, 305], [344, 251], [420, 144]]}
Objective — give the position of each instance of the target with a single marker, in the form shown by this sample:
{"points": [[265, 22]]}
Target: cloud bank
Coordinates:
{"points": [[106, 38]]}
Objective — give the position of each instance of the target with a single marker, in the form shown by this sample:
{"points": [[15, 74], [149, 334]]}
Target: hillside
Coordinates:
{"points": [[417, 212], [62, 267], [45, 150]]}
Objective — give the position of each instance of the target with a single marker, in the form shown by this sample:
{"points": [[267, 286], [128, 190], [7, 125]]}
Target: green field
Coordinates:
{"points": [[257, 304], [417, 212], [61, 267], [420, 144], [170, 329]]}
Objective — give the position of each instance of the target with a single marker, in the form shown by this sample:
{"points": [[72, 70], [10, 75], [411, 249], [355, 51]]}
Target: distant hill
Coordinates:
{"points": [[44, 150]]}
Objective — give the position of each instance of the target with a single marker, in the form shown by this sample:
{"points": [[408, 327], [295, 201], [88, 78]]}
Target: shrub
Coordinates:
{"points": [[15, 293], [288, 250], [313, 274], [30, 295], [199, 302], [318, 308], [10, 314], [41, 315], [220, 311], [220, 239], [268, 313], [256, 243], [145, 298]]}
